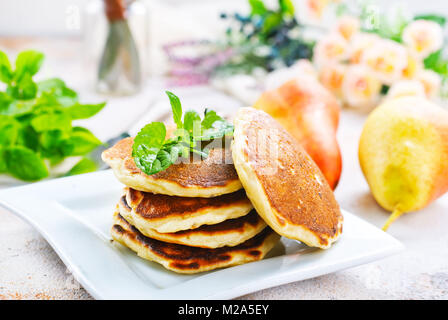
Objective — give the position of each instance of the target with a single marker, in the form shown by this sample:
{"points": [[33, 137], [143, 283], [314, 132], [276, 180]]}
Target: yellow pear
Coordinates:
{"points": [[403, 153]]}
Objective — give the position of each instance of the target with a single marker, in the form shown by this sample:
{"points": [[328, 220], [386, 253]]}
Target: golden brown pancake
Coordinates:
{"points": [[210, 177], [285, 186], [227, 233], [185, 259], [167, 214]]}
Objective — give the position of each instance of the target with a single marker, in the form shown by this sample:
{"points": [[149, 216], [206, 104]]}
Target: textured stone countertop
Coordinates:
{"points": [[30, 269]]}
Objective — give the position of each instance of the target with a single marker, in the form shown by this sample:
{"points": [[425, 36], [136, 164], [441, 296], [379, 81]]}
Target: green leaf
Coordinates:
{"points": [[19, 108], [384, 89], [5, 68], [176, 107], [257, 7], [84, 111], [51, 84], [36, 119], [437, 62], [52, 139], [2, 160], [432, 17], [152, 153], [83, 166], [287, 7], [271, 22], [210, 117], [28, 62], [52, 121], [218, 130], [192, 123], [147, 144], [9, 130], [58, 91], [24, 89], [80, 142], [5, 101], [24, 164], [28, 137]]}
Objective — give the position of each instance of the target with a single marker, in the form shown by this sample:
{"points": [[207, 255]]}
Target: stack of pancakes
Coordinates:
{"points": [[192, 217]]}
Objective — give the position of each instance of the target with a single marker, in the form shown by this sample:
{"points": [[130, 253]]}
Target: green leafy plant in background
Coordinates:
{"points": [[153, 152], [36, 130], [266, 39]]}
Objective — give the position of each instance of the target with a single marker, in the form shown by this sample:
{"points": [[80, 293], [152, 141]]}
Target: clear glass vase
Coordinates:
{"points": [[116, 39]]}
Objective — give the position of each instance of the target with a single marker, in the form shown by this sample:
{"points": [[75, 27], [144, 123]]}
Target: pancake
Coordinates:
{"points": [[167, 214], [184, 259], [227, 233], [285, 186], [210, 177]]}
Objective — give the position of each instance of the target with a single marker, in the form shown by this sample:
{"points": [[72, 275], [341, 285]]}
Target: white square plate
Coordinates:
{"points": [[74, 215]]}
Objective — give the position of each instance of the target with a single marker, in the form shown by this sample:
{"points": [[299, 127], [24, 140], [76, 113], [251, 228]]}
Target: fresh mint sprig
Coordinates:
{"points": [[153, 152], [36, 121]]}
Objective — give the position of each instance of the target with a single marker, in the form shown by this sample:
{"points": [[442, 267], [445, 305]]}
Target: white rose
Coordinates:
{"points": [[387, 59], [332, 76], [423, 37], [359, 43], [431, 82], [331, 48], [406, 88], [348, 26], [413, 66], [361, 88]]}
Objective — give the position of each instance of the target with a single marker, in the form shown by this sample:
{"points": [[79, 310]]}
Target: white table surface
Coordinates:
{"points": [[30, 269]]}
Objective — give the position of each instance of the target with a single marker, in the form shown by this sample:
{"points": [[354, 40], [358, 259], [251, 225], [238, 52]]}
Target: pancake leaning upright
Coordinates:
{"points": [[285, 186]]}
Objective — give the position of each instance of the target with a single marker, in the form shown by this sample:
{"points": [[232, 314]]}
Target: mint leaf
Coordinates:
{"points": [[52, 84], [84, 111], [58, 91], [24, 89], [80, 142], [36, 119], [24, 164], [152, 153], [51, 140], [217, 131], [210, 117], [18, 108], [28, 62], [147, 144], [192, 123], [176, 107], [5, 101], [5, 68], [2, 161], [9, 130], [28, 137], [51, 121], [83, 166]]}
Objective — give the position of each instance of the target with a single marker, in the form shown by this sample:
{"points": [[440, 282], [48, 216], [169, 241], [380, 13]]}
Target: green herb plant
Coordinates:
{"points": [[36, 117], [154, 152]]}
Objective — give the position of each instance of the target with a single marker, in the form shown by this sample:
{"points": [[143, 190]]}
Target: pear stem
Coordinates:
{"points": [[394, 216]]}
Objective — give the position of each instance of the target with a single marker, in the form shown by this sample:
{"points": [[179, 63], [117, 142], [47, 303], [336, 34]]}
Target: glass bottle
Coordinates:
{"points": [[116, 36]]}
